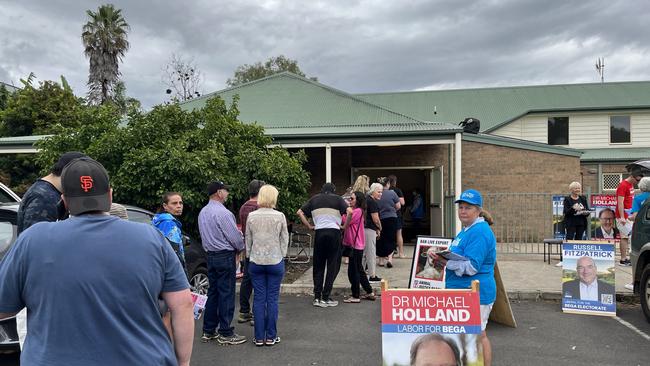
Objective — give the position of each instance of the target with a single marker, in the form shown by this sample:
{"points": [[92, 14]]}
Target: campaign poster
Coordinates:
{"points": [[598, 203], [588, 278], [558, 217], [199, 304], [440, 327], [427, 272]]}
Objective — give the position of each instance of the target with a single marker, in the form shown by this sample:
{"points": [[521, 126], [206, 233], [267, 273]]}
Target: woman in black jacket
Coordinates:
{"points": [[576, 211]]}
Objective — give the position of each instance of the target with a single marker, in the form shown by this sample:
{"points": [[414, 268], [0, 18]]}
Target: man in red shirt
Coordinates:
{"points": [[624, 196], [246, 289]]}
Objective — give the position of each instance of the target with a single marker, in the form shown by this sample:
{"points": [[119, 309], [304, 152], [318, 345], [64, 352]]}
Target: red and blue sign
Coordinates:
{"points": [[430, 311]]}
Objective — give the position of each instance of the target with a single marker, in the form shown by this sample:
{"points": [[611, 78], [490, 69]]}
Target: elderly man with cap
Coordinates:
{"points": [[91, 284], [326, 209], [222, 241], [476, 243]]}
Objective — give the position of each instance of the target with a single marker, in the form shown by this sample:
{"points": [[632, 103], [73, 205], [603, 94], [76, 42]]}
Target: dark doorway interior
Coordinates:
{"points": [[407, 181]]}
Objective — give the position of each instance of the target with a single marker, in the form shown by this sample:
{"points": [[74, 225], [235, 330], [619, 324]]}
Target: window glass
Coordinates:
{"points": [[619, 129], [558, 130], [7, 237], [138, 216]]}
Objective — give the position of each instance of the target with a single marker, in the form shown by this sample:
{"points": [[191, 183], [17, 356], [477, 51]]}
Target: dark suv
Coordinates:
{"points": [[195, 258], [640, 256]]}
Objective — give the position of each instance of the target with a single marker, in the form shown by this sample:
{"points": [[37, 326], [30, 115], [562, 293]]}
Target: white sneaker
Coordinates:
{"points": [[329, 302], [558, 264], [629, 286]]}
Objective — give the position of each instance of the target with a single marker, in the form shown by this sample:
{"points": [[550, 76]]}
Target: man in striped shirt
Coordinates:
{"points": [[325, 209], [222, 241]]}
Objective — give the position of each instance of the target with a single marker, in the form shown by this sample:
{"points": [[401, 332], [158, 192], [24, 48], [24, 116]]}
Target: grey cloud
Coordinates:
{"points": [[360, 46]]}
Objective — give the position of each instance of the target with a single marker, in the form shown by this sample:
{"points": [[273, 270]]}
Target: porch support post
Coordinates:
{"points": [[457, 176], [328, 163]]}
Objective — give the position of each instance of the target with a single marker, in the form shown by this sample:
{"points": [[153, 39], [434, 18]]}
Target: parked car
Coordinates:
{"points": [[640, 256], [7, 195], [195, 258]]}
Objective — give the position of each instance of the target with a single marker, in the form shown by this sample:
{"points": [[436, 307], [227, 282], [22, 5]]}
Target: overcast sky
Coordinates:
{"points": [[356, 46]]}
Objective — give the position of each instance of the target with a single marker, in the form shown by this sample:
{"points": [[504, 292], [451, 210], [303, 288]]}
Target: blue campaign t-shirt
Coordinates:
{"points": [[478, 244], [638, 201], [91, 285]]}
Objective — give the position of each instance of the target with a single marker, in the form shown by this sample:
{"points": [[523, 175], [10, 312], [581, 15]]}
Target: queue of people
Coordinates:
{"points": [[367, 224]]}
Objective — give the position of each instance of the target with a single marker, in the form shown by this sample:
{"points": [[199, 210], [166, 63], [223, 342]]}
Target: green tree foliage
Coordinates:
{"points": [[169, 149], [105, 43], [124, 104], [258, 70], [4, 97], [39, 110]]}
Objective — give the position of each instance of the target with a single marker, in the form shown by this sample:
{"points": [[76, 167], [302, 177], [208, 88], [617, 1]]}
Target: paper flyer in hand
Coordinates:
{"points": [[199, 304]]}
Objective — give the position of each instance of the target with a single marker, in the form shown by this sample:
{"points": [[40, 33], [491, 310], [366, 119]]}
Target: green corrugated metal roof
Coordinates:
{"points": [[285, 102], [520, 144], [497, 106], [616, 154], [19, 140]]}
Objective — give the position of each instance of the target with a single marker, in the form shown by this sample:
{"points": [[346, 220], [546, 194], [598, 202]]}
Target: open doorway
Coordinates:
{"points": [[428, 181]]}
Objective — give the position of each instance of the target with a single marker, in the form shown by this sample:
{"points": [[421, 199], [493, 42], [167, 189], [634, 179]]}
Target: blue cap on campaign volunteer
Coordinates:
{"points": [[471, 196]]}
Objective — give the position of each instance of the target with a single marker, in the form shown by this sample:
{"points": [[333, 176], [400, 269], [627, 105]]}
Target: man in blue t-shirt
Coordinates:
{"points": [[91, 284]]}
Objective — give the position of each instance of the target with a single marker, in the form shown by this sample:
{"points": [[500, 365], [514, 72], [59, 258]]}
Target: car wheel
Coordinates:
{"points": [[644, 290], [199, 281]]}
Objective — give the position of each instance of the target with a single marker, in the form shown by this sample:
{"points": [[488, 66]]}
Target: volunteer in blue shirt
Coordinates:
{"points": [[477, 243]]}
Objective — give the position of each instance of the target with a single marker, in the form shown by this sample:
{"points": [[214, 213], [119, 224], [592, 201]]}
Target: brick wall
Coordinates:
{"points": [[491, 168]]}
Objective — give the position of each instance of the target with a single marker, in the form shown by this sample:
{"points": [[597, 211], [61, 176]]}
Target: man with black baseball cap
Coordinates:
{"points": [[91, 284], [42, 201], [222, 241]]}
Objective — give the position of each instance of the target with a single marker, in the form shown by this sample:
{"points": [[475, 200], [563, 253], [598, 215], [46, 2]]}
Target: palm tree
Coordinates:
{"points": [[104, 39]]}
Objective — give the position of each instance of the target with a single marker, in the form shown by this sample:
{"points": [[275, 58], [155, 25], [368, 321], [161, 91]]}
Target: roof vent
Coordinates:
{"points": [[470, 125]]}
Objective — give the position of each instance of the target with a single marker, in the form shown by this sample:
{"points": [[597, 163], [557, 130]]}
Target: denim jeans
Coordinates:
{"points": [[266, 281], [220, 306], [246, 289]]}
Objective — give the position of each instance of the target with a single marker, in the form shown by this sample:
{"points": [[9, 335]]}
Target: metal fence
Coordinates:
{"points": [[521, 220]]}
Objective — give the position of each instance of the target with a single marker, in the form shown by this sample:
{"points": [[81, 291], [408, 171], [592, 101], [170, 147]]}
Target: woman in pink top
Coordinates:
{"points": [[354, 237]]}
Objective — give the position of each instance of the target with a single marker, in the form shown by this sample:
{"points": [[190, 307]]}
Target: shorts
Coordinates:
{"points": [[624, 229], [485, 315]]}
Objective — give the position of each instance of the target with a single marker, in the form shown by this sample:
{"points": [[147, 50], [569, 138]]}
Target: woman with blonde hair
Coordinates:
{"points": [[267, 240], [362, 184]]}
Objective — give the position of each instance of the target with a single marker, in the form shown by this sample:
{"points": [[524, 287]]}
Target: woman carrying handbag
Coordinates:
{"points": [[353, 244]]}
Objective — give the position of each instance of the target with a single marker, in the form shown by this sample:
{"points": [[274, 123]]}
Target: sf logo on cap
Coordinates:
{"points": [[86, 182]]}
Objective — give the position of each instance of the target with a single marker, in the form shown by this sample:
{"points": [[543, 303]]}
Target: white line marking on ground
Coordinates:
{"points": [[635, 329]]}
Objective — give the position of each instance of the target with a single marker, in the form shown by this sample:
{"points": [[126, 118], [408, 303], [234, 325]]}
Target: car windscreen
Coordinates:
{"points": [[7, 237]]}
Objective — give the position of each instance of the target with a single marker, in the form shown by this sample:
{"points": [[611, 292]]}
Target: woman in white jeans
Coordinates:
{"points": [[372, 230]]}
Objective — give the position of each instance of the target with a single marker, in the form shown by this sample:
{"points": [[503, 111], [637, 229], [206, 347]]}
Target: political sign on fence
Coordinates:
{"points": [[437, 327], [588, 278], [558, 217], [427, 272]]}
